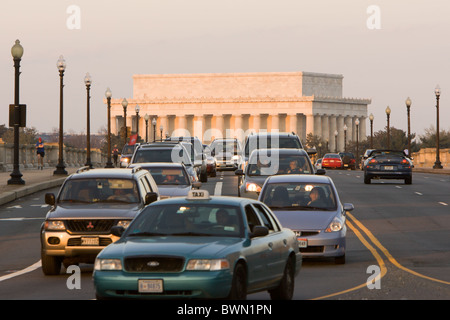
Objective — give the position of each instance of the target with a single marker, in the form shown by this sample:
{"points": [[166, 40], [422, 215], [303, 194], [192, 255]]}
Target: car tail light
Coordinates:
{"points": [[404, 161], [373, 161]]}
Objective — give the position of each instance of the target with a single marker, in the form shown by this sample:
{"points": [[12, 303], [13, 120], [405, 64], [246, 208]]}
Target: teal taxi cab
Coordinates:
{"points": [[200, 246]]}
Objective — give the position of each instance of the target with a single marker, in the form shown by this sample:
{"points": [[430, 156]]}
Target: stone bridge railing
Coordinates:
{"points": [[73, 157]]}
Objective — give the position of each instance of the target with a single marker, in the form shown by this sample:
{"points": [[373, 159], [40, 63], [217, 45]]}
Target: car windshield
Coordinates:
{"points": [[261, 164], [128, 149], [271, 142], [387, 154], [160, 155], [168, 176], [188, 219], [99, 190], [299, 196], [225, 146]]}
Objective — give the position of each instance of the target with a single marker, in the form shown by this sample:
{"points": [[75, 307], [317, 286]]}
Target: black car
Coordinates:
{"points": [[88, 205], [348, 160], [387, 164]]}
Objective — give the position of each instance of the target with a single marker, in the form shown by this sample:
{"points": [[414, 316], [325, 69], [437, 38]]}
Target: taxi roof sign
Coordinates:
{"points": [[198, 195]]}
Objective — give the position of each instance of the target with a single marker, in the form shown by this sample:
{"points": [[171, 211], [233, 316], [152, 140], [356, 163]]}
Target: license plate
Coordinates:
{"points": [[345, 165], [388, 167], [151, 286], [302, 243], [91, 241]]}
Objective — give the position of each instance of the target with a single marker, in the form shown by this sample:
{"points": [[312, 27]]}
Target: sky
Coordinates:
{"points": [[386, 51]]}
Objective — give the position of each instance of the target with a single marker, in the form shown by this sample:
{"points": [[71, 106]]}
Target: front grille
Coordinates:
{"points": [[299, 233], [154, 264], [90, 225], [76, 242]]}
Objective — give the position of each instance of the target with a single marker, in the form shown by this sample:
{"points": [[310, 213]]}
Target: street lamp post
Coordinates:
{"points": [[125, 133], [388, 115], [17, 53], [60, 167], [108, 96], [345, 138], [88, 82], [437, 164], [146, 117], [161, 128], [154, 129], [408, 106], [357, 140], [371, 130], [137, 108]]}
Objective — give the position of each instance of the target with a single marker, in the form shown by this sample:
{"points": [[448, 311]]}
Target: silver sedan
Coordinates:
{"points": [[310, 206]]}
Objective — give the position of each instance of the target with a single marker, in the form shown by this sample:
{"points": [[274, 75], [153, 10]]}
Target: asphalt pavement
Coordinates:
{"points": [[37, 180]]}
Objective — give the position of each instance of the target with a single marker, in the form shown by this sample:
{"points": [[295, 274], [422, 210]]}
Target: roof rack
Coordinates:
{"points": [[136, 169]]}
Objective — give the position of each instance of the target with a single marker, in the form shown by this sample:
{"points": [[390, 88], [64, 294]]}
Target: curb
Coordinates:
{"points": [[25, 191]]}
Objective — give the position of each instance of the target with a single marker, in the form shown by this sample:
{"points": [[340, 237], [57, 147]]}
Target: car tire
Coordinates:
{"points": [[285, 290], [239, 283], [51, 265], [408, 180], [340, 259], [366, 180]]}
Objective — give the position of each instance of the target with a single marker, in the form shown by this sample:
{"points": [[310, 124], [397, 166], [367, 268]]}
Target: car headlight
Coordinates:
{"points": [[124, 223], [235, 158], [335, 225], [252, 187], [54, 225], [207, 264], [107, 264]]}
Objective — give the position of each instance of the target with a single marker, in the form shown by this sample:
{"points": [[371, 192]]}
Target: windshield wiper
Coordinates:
{"points": [[146, 234], [74, 200], [191, 234], [306, 208]]}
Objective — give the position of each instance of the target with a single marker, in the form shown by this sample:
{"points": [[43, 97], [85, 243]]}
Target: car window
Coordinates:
{"points": [[169, 176], [161, 155], [268, 142], [266, 218], [99, 190], [299, 196], [188, 219], [264, 164], [252, 217]]}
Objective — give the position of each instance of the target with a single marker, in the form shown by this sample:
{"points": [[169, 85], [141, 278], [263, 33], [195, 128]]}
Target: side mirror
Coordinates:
{"points": [[239, 172], [50, 199], [197, 185], [151, 197], [321, 171], [348, 207], [117, 231], [259, 231]]}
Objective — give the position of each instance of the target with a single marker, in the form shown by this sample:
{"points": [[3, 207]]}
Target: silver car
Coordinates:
{"points": [[172, 179], [310, 206], [267, 162]]}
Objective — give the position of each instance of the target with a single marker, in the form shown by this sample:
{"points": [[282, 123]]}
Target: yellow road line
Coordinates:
{"points": [[374, 253], [387, 254]]}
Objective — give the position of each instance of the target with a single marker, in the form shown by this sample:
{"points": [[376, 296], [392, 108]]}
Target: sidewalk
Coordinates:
{"points": [[431, 170], [35, 180]]}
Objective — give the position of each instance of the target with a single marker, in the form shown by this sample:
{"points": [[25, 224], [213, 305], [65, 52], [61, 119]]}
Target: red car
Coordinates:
{"points": [[332, 161]]}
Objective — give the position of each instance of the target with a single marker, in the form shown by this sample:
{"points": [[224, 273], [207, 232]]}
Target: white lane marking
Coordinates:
{"points": [[23, 271], [20, 219], [218, 189], [443, 203], [398, 187], [15, 207], [420, 194], [40, 205]]}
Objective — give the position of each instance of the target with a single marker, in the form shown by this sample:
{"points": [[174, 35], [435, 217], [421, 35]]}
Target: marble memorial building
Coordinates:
{"points": [[234, 104]]}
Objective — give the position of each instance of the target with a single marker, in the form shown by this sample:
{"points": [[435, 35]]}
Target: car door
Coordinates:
{"points": [[277, 243]]}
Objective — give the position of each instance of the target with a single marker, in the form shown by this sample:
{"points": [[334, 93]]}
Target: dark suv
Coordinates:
{"points": [[348, 160], [88, 205]]}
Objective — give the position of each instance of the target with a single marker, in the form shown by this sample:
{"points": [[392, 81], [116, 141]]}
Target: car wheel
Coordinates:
{"points": [[340, 260], [239, 283], [51, 265], [366, 180], [285, 290], [408, 180]]}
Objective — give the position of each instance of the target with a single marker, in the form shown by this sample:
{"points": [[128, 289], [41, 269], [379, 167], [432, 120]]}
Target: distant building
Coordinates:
{"points": [[234, 104]]}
